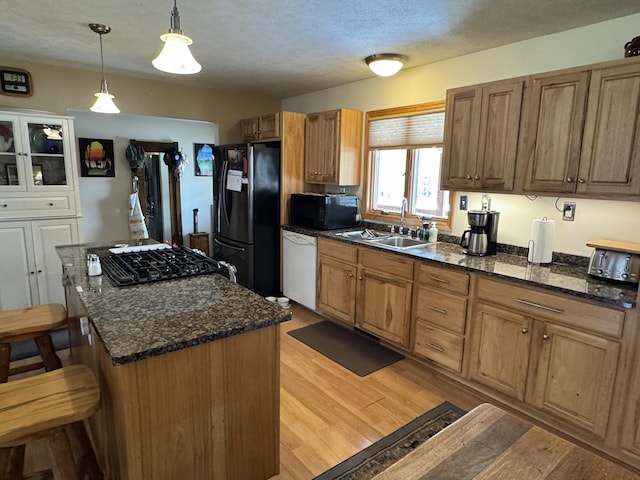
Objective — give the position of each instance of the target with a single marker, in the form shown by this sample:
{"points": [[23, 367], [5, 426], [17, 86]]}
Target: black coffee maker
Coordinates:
{"points": [[482, 238]]}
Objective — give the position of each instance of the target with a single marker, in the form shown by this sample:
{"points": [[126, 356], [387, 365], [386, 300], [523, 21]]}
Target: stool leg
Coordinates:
{"points": [[12, 462], [5, 361], [48, 352], [62, 455], [88, 464]]}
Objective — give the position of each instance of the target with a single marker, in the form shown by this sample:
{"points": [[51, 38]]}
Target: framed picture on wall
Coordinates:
{"points": [[204, 159], [96, 157]]}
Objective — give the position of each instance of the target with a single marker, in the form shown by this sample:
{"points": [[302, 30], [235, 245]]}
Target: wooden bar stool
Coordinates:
{"points": [[30, 323], [52, 405]]}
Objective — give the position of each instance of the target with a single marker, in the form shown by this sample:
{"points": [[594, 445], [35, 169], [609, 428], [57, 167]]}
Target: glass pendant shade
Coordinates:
{"points": [[176, 57], [385, 64], [104, 101]]}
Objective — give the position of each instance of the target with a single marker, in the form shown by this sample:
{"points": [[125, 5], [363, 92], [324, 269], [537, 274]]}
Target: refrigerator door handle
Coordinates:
{"points": [[223, 193], [226, 245]]}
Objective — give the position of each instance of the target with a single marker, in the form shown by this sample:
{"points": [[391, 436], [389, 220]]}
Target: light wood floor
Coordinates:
{"points": [[328, 413]]}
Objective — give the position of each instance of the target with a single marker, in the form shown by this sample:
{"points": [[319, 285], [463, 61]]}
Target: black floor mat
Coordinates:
{"points": [[354, 351]]}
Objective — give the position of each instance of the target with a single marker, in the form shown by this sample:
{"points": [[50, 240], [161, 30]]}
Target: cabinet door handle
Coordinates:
{"points": [[435, 347], [439, 310], [581, 180], [51, 204], [569, 180], [525, 330], [469, 177], [4, 205], [32, 273], [437, 279], [537, 305], [359, 278], [351, 275], [545, 337], [476, 177]]}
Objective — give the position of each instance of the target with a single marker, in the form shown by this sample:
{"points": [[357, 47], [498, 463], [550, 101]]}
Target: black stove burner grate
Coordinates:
{"points": [[134, 268]]}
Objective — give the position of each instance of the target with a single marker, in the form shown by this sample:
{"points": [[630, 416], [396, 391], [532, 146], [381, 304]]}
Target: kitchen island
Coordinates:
{"points": [[188, 371]]}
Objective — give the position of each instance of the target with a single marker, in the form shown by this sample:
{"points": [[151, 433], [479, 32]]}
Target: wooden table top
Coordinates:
{"points": [[491, 444]]}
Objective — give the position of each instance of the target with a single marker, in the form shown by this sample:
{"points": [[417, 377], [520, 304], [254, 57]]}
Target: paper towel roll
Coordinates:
{"points": [[541, 243]]}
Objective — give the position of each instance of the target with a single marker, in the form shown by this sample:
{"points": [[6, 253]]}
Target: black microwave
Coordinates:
{"points": [[324, 211]]}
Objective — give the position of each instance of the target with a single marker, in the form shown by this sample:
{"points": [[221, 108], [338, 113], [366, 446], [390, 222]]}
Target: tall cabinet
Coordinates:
{"points": [[39, 205]]}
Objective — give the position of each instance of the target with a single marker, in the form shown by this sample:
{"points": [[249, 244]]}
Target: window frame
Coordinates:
{"points": [[368, 213]]}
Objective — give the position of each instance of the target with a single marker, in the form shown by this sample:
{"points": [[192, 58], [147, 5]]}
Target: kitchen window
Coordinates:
{"points": [[404, 153]]}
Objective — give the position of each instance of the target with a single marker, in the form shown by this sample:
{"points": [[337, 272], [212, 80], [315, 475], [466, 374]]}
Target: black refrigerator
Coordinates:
{"points": [[246, 213]]}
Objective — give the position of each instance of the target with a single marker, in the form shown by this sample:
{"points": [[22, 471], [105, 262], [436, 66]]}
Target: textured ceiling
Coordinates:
{"points": [[282, 48]]}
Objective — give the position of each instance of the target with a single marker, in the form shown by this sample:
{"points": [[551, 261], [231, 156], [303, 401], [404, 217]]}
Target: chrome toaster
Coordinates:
{"points": [[615, 265]]}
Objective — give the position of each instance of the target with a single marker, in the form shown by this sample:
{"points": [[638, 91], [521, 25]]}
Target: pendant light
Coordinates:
{"points": [[104, 101], [176, 57], [385, 64]]}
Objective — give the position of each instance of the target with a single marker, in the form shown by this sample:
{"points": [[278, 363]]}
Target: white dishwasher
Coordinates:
{"points": [[299, 268]]}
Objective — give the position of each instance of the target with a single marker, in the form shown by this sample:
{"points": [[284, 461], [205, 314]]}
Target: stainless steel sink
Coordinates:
{"points": [[364, 235], [400, 242]]}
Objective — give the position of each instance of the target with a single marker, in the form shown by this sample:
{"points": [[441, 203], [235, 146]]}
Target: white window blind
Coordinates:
{"points": [[410, 131]]}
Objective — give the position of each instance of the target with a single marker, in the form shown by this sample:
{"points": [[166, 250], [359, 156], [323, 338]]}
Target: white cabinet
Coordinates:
{"points": [[39, 205], [31, 269], [37, 166]]}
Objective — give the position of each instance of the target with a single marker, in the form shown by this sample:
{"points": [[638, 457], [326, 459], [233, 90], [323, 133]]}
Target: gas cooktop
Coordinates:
{"points": [[151, 265]]}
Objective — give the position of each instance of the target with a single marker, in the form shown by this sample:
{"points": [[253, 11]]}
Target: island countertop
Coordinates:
{"points": [[137, 322]]}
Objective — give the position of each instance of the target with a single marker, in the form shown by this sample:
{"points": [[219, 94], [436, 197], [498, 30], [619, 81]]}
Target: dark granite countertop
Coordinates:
{"points": [[566, 278], [142, 321]]}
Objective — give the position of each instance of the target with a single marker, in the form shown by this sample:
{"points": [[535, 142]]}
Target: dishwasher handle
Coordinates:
{"points": [[300, 239]]}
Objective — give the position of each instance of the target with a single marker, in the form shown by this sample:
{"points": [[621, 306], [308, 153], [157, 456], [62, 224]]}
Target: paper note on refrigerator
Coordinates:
{"points": [[234, 180]]}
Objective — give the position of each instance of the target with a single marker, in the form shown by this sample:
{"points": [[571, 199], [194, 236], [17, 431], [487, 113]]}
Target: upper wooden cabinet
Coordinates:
{"points": [[482, 124], [333, 147], [266, 127], [573, 132], [610, 160], [553, 120]]}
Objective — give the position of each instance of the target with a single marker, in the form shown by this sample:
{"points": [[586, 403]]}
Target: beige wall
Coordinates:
{"points": [[592, 44], [57, 89]]}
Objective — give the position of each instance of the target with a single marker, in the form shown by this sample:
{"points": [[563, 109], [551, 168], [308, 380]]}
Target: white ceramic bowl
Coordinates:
{"points": [[271, 299], [283, 300]]}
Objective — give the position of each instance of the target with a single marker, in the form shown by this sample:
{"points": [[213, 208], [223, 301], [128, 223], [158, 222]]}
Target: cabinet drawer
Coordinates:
{"points": [[391, 264], [584, 315], [443, 279], [439, 346], [340, 250], [20, 207], [442, 309]]}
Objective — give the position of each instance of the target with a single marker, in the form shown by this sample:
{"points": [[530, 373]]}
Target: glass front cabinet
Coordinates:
{"points": [[39, 205], [37, 173]]}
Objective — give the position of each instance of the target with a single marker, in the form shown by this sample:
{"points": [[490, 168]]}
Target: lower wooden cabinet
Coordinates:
{"points": [[557, 369], [362, 287], [439, 315], [500, 349], [384, 304], [575, 376], [337, 288]]}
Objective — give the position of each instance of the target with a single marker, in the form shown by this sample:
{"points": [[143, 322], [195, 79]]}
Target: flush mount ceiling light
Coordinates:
{"points": [[385, 64], [104, 101], [176, 57]]}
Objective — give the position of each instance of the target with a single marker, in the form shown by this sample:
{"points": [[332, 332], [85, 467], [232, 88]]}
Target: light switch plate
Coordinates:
{"points": [[463, 202]]}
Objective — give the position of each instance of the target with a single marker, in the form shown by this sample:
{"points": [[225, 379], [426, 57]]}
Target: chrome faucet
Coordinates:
{"points": [[403, 210]]}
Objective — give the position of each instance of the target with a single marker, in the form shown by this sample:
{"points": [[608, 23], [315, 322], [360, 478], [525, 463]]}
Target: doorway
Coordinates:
{"points": [[150, 191]]}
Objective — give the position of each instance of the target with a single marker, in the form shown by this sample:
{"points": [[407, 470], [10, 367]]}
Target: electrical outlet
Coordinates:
{"points": [[569, 211], [463, 202]]}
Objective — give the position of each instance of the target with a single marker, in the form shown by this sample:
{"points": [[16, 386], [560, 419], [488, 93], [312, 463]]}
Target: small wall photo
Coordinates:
{"points": [[96, 157], [204, 159]]}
